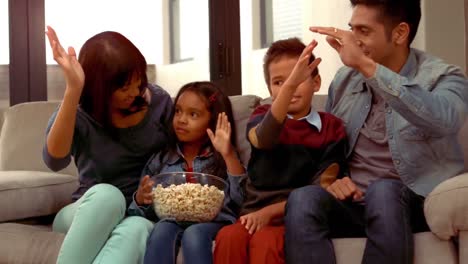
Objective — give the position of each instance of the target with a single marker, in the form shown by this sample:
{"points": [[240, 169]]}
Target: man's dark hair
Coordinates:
{"points": [[396, 11]]}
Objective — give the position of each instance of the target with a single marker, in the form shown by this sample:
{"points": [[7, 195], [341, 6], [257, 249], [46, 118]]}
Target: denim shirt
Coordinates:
{"points": [[426, 104], [174, 161]]}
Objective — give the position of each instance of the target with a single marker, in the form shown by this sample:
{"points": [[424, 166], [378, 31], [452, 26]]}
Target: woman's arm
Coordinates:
{"points": [[60, 137]]}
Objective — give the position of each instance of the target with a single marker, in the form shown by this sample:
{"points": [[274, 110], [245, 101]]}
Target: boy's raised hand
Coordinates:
{"points": [[303, 70], [221, 138], [144, 194]]}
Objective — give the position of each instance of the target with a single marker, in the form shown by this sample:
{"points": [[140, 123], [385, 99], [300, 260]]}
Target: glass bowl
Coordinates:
{"points": [[188, 196]]}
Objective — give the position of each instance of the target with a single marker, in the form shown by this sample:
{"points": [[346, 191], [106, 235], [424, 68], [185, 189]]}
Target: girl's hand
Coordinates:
{"points": [[74, 74], [221, 139], [144, 194], [255, 221]]}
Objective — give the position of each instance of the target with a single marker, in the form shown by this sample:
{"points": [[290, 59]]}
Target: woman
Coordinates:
{"points": [[110, 121]]}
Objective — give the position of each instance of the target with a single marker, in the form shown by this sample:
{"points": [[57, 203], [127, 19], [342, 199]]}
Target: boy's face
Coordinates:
{"points": [[280, 70], [371, 34]]}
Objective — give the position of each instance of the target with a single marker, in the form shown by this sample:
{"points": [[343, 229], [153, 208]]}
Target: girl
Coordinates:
{"points": [[110, 121], [204, 142]]}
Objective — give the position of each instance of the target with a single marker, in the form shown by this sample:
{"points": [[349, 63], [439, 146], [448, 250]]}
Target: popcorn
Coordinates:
{"points": [[187, 202]]}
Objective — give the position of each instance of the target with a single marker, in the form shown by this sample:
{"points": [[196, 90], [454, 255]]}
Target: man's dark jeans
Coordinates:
{"points": [[389, 216]]}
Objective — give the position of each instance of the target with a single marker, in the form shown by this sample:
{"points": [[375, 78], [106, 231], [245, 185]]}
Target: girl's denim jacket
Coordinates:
{"points": [[174, 161], [426, 105]]}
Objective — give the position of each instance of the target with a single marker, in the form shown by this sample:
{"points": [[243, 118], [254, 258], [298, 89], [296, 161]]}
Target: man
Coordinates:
{"points": [[402, 109]]}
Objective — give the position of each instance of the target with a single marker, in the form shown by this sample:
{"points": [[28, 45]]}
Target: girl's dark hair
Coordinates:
{"points": [[216, 102], [110, 61]]}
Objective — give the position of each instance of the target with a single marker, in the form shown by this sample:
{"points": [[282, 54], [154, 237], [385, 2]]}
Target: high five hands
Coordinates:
{"points": [[349, 49]]}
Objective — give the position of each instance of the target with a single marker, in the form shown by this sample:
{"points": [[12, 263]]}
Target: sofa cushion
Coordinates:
{"points": [[25, 194], [446, 207], [23, 135], [428, 249], [463, 247], [242, 107], [28, 244]]}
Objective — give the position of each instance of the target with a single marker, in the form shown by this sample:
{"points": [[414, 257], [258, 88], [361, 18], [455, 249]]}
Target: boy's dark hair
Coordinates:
{"points": [[110, 61], [394, 12], [216, 102], [291, 47]]}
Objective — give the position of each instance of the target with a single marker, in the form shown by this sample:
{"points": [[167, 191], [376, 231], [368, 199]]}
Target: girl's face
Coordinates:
{"points": [[191, 118], [123, 97]]}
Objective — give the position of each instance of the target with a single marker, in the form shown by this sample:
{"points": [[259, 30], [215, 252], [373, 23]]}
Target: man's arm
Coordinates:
{"points": [[441, 109]]}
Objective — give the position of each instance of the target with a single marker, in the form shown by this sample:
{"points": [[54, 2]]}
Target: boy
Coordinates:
{"points": [[292, 146]]}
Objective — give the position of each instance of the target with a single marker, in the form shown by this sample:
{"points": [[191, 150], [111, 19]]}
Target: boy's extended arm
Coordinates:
{"points": [[275, 211], [330, 175], [266, 133]]}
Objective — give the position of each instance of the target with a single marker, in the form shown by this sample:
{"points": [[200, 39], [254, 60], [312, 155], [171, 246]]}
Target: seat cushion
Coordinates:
{"points": [[428, 249], [28, 244], [446, 207], [25, 194]]}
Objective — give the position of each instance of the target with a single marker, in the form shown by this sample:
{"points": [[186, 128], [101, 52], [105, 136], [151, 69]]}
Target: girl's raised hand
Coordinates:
{"points": [[221, 138], [74, 74]]}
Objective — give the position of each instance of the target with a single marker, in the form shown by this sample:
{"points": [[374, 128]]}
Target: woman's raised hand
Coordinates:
{"points": [[74, 74]]}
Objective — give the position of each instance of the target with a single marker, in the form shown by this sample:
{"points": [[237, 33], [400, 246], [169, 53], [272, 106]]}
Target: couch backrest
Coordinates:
{"points": [[23, 136], [319, 101], [242, 107], [23, 132]]}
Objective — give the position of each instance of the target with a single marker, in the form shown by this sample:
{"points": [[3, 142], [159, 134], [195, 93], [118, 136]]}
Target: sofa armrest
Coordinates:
{"points": [[463, 247], [26, 194], [446, 207]]}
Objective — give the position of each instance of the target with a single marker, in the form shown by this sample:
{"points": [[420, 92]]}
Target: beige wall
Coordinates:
{"points": [[443, 30]]}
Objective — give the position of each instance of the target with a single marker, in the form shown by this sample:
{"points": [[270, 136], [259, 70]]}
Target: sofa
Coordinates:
{"points": [[31, 194]]}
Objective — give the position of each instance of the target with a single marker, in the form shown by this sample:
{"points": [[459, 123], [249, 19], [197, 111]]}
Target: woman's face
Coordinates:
{"points": [[191, 118], [123, 98]]}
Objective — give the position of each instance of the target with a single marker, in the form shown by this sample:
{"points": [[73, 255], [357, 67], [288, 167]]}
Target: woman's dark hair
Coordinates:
{"points": [[110, 61], [216, 102]]}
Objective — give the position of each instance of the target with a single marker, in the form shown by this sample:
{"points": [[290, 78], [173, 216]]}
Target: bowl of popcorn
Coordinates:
{"points": [[188, 196]]}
